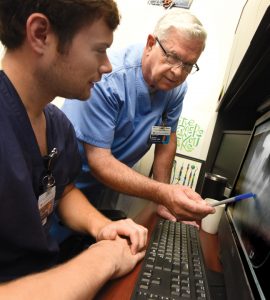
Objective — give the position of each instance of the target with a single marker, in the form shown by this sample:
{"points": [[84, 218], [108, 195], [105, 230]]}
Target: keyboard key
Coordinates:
{"points": [[144, 287]]}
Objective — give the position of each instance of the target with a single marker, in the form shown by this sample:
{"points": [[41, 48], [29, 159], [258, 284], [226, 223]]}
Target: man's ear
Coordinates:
{"points": [[151, 41], [37, 31]]}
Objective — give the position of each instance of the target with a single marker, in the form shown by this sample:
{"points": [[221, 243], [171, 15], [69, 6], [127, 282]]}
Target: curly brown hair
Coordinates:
{"points": [[65, 16]]}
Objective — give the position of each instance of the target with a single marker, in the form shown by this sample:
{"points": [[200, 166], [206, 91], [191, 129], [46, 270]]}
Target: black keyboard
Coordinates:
{"points": [[173, 267]]}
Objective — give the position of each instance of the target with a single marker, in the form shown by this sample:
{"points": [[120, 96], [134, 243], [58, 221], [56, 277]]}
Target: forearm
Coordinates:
{"points": [[77, 213], [77, 279], [128, 181], [111, 172], [122, 178], [163, 160]]}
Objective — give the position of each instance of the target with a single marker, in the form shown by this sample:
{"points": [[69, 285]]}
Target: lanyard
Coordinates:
{"points": [[48, 180], [164, 118]]}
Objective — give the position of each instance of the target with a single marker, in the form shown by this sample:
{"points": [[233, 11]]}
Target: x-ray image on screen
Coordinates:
{"points": [[252, 217]]}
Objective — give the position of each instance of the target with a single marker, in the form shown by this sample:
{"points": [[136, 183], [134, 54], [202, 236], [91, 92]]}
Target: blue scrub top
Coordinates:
{"points": [[121, 111]]}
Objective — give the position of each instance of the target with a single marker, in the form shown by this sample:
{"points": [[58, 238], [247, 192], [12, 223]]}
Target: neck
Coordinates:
{"points": [[22, 75], [146, 71]]}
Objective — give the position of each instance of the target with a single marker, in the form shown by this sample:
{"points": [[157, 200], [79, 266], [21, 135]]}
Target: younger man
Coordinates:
{"points": [[53, 48]]}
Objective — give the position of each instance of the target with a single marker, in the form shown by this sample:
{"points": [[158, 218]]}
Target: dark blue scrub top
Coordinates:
{"points": [[25, 245]]}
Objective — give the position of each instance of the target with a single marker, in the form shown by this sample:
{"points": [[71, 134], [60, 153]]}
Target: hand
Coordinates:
{"points": [[118, 253], [183, 202], [137, 234], [165, 213]]}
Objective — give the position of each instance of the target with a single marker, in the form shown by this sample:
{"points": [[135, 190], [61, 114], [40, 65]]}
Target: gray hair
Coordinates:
{"points": [[182, 20]]}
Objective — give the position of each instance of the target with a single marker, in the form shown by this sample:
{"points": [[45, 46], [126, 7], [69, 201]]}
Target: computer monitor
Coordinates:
{"points": [[251, 218], [230, 154]]}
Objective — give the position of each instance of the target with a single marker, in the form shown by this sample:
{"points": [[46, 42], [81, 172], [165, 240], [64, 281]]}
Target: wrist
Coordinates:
{"points": [[106, 253], [96, 223], [160, 194]]}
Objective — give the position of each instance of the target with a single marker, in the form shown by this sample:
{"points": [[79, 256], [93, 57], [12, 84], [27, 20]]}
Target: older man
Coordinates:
{"points": [[134, 106]]}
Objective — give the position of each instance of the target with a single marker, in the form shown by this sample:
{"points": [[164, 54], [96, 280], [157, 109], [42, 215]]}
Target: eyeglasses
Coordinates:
{"points": [[175, 61]]}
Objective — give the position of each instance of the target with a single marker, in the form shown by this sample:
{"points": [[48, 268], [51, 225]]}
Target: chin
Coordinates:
{"points": [[84, 96], [165, 87]]}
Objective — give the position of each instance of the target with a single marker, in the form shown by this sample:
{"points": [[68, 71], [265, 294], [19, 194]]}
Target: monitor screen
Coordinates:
{"points": [[233, 144], [251, 218]]}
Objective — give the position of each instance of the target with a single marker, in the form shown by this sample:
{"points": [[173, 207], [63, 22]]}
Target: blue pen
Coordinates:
{"points": [[234, 199]]}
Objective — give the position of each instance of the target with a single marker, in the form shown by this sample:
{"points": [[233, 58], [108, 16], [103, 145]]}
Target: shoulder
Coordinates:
{"points": [[57, 117], [182, 88], [178, 92], [125, 59]]}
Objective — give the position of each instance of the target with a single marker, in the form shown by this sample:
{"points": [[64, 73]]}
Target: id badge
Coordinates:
{"points": [[46, 204], [160, 134]]}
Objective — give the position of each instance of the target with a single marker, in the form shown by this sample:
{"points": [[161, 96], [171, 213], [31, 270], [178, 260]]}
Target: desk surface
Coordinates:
{"points": [[122, 288]]}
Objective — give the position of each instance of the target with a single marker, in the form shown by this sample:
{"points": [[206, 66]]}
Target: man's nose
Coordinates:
{"points": [[178, 71], [106, 66]]}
